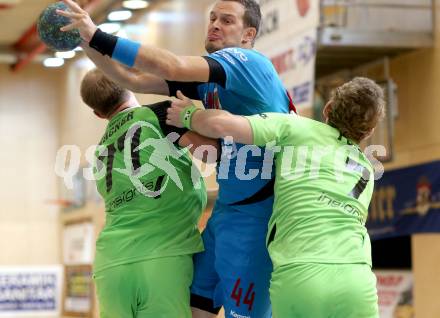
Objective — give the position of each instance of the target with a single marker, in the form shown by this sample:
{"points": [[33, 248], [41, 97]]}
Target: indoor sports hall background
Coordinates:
{"points": [[50, 214]]}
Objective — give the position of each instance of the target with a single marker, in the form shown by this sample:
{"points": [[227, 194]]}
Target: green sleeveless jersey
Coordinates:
{"points": [[323, 187], [152, 204]]}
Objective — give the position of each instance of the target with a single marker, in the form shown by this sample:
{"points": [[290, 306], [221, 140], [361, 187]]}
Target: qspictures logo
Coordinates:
{"points": [[162, 151], [128, 146], [296, 161]]}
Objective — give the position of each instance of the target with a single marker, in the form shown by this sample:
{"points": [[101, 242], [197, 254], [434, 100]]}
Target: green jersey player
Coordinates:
{"points": [[153, 200], [317, 238]]}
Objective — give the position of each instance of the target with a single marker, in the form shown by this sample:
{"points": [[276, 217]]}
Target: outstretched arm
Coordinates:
{"points": [[146, 58], [211, 123], [128, 78]]}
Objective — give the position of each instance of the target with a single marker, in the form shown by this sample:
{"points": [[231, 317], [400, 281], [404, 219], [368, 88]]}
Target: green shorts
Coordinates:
{"points": [[324, 291], [156, 288]]}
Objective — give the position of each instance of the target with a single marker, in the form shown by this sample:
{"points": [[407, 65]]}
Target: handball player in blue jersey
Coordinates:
{"points": [[234, 270]]}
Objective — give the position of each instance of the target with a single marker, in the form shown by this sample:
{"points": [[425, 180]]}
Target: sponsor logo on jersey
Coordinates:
{"points": [[345, 207], [235, 315], [128, 195]]}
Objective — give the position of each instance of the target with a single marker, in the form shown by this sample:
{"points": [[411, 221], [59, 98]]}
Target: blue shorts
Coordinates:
{"points": [[234, 270]]}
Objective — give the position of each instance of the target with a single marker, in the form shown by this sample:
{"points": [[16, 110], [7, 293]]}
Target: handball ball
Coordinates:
{"points": [[48, 26]]}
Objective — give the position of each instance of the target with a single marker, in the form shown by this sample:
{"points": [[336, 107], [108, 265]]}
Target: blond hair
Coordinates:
{"points": [[356, 108]]}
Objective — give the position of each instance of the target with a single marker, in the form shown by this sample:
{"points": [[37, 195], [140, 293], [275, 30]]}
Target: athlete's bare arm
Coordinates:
{"points": [[197, 313], [198, 143], [129, 78], [150, 59]]}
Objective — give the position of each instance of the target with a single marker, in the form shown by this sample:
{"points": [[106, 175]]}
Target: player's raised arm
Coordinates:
{"points": [[129, 78], [147, 58]]}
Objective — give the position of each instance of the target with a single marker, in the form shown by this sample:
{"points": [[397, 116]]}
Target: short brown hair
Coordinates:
{"points": [[252, 13], [356, 108], [100, 93]]}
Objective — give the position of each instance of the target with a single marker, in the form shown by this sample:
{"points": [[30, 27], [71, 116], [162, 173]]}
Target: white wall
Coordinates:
{"points": [[29, 108]]}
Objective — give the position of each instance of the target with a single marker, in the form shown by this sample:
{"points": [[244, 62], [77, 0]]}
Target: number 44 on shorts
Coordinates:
{"points": [[238, 291]]}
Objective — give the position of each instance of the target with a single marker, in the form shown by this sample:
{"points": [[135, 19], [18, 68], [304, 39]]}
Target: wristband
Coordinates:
{"points": [[186, 115], [119, 49], [126, 51]]}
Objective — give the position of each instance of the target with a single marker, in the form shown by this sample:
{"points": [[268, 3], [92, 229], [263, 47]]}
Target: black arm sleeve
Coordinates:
{"points": [[103, 42], [160, 110], [216, 75], [189, 89]]}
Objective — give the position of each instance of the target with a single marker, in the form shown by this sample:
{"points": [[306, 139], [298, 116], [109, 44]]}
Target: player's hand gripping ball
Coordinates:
{"points": [[48, 26]]}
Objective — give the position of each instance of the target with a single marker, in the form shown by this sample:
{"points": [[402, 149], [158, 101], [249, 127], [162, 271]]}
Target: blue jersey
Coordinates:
{"points": [[252, 87]]}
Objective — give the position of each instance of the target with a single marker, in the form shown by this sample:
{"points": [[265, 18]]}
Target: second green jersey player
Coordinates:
{"points": [[153, 200], [317, 237]]}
